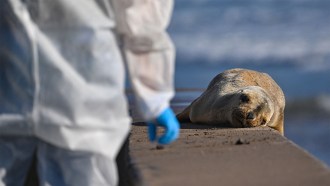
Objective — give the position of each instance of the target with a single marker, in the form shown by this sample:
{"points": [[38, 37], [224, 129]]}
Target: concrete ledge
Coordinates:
{"points": [[205, 155]]}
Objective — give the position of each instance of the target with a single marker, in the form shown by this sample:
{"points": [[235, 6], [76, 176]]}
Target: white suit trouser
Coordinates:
{"points": [[56, 166]]}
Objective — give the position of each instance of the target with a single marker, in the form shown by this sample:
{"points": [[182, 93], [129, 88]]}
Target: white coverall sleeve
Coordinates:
{"points": [[149, 52]]}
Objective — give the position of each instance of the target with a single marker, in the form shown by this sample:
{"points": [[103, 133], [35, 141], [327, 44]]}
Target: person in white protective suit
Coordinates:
{"points": [[62, 85]]}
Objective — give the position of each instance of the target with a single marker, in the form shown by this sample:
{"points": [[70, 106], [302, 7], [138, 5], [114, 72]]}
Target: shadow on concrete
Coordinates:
{"points": [[190, 125]]}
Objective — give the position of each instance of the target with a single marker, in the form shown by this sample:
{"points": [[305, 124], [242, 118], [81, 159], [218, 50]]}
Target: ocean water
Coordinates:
{"points": [[288, 39]]}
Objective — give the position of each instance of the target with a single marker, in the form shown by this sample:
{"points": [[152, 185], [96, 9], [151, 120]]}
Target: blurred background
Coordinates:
{"points": [[288, 39]]}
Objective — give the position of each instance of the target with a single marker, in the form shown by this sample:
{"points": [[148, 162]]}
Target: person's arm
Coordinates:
{"points": [[149, 54]]}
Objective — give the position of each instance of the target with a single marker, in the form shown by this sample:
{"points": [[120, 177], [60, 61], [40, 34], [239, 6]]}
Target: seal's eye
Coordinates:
{"points": [[244, 98]]}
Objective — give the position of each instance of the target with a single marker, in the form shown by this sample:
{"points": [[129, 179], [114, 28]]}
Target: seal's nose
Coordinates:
{"points": [[250, 115]]}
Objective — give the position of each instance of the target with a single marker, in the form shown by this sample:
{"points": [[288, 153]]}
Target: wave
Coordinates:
{"points": [[291, 31]]}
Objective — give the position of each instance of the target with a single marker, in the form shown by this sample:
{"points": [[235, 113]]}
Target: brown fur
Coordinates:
{"points": [[239, 98]]}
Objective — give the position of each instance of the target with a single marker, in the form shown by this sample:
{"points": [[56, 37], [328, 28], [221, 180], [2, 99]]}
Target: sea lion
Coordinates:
{"points": [[239, 98]]}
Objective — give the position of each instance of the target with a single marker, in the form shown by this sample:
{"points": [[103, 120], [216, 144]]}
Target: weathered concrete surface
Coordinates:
{"points": [[205, 155]]}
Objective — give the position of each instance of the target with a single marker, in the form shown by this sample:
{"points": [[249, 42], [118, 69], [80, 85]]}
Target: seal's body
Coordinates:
{"points": [[239, 98]]}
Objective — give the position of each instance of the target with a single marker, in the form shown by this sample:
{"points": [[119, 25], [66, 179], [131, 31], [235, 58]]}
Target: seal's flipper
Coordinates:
{"points": [[184, 115]]}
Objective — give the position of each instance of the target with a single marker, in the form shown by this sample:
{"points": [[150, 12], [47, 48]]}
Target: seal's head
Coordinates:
{"points": [[252, 108]]}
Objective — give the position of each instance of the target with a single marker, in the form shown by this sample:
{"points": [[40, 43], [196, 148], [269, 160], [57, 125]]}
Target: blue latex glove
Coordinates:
{"points": [[167, 120]]}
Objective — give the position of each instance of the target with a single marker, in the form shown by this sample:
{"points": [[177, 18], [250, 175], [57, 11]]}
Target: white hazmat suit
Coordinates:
{"points": [[62, 74]]}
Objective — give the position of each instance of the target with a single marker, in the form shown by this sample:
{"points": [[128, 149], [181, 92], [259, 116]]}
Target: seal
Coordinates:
{"points": [[239, 98]]}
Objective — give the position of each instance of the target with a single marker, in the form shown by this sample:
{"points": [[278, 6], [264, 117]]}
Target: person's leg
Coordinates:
{"points": [[128, 174], [32, 178], [57, 166], [16, 154]]}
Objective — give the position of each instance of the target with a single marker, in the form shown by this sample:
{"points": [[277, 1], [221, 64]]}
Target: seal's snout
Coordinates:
{"points": [[250, 116]]}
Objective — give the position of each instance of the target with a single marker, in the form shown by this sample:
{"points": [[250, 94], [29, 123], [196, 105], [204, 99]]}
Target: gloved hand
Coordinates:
{"points": [[167, 120]]}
